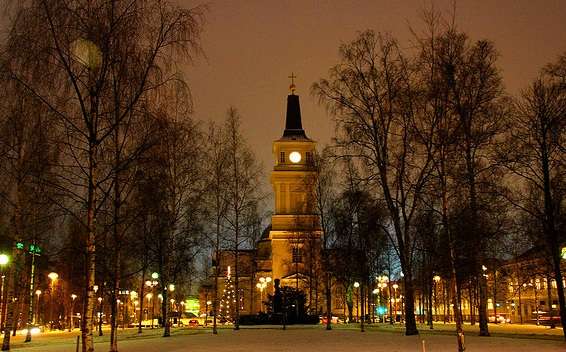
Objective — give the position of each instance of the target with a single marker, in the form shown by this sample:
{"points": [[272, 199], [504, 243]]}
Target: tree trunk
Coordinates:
{"points": [[142, 296], [86, 321], [327, 289], [410, 321], [484, 331], [114, 318], [363, 311], [9, 304], [429, 301], [165, 312]]}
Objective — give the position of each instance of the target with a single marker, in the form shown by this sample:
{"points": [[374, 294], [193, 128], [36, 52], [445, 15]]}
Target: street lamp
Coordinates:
{"points": [[261, 285], [73, 297], [37, 293], [4, 260], [357, 285], [395, 287], [99, 316], [53, 276], [152, 284], [436, 280]]}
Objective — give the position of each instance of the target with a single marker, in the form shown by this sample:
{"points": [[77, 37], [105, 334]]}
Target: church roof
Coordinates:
{"points": [[293, 124]]}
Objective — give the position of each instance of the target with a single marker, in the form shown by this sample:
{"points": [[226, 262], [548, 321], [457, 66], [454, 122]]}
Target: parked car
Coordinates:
{"points": [[334, 320], [500, 319], [193, 323], [546, 319]]}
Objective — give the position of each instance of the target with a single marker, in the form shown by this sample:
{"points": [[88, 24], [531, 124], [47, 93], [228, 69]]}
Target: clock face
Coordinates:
{"points": [[295, 157]]}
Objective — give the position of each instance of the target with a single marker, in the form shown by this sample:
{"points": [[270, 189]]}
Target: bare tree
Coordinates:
{"points": [[218, 176], [371, 96], [323, 197], [243, 191], [535, 154], [86, 49]]}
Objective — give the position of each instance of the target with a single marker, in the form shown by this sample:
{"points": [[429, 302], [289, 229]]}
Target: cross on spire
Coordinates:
{"points": [[292, 86]]}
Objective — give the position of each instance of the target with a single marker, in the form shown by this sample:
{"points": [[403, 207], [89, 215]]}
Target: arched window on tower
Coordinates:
{"points": [[282, 158]]}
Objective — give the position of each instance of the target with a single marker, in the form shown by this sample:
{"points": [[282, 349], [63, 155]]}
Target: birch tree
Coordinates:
{"points": [[71, 55]]}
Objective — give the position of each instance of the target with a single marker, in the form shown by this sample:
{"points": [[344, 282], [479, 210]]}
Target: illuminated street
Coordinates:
{"points": [[298, 339]]}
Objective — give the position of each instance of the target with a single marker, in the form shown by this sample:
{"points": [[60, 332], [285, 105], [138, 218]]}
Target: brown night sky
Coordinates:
{"points": [[252, 46]]}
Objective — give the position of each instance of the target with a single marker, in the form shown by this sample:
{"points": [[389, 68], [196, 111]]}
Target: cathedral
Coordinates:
{"points": [[289, 248]]}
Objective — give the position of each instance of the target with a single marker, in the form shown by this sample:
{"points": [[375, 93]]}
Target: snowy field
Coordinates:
{"points": [[298, 339]]}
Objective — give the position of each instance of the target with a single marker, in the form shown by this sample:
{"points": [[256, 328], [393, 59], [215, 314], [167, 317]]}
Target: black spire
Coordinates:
{"points": [[293, 125]]}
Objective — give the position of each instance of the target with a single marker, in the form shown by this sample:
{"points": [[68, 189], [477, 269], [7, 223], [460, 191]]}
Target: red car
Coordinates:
{"points": [[193, 323]]}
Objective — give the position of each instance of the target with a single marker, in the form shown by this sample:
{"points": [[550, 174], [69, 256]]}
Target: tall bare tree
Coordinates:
{"points": [[86, 48], [218, 175], [536, 155], [243, 192], [371, 95]]}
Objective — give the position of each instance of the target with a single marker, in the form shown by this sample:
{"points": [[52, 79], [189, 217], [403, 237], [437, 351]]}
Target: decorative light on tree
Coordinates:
{"points": [[228, 300]]}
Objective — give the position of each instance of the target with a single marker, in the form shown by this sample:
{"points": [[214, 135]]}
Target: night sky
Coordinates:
{"points": [[252, 46]]}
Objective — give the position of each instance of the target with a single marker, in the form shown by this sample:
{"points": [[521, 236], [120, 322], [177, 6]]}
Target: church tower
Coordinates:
{"points": [[295, 232]]}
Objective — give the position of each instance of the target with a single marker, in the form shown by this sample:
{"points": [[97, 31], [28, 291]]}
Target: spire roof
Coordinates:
{"points": [[293, 123]]}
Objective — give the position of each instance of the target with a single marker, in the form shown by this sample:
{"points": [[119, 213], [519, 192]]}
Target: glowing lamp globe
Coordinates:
{"points": [[295, 157], [4, 259]]}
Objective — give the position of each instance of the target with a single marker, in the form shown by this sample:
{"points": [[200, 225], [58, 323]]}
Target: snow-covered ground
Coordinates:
{"points": [[297, 339]]}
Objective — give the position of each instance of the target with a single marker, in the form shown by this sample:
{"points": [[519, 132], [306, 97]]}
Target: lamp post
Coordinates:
{"points": [[208, 303], [375, 293], [436, 280], [37, 293], [53, 276], [99, 316], [152, 284], [73, 297], [4, 260], [382, 284], [261, 285], [395, 287], [133, 297], [357, 285]]}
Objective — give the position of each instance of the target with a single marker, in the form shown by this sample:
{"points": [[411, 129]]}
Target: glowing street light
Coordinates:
{"points": [[155, 276], [395, 287], [71, 326], [53, 276], [357, 285], [4, 259], [261, 285], [37, 293]]}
